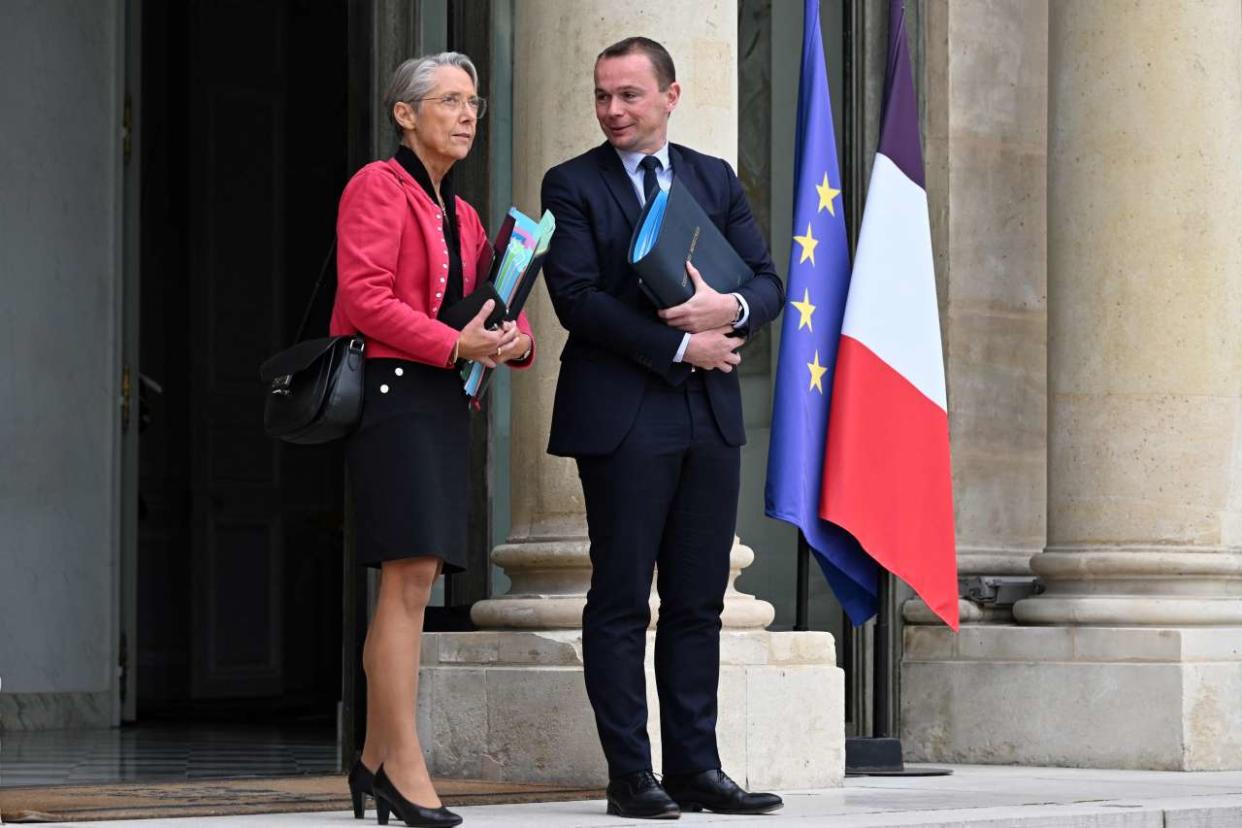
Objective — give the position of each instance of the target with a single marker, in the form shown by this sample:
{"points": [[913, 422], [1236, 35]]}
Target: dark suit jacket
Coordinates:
{"points": [[617, 342]]}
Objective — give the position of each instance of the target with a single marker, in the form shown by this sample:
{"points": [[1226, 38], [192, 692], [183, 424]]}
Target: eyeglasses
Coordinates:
{"points": [[456, 102]]}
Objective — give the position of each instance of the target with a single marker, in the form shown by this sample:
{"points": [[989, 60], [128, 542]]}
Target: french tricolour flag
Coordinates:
{"points": [[887, 478]]}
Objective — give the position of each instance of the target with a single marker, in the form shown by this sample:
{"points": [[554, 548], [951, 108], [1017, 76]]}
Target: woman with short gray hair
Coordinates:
{"points": [[414, 79], [408, 249]]}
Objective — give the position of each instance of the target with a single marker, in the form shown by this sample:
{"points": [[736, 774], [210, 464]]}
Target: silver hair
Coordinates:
{"points": [[412, 80]]}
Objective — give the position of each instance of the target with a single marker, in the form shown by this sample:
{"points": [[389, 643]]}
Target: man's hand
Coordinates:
{"points": [[705, 310], [714, 350]]}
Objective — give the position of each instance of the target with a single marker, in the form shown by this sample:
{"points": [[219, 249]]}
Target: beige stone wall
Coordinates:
{"points": [[985, 72]]}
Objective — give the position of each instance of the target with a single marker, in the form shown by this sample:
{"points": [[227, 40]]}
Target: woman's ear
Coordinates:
{"points": [[405, 115]]}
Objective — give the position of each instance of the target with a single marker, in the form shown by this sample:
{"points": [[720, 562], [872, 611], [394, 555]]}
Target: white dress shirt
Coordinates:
{"points": [[664, 177]]}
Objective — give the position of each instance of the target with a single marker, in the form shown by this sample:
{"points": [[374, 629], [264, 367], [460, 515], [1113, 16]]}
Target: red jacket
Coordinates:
{"points": [[392, 264]]}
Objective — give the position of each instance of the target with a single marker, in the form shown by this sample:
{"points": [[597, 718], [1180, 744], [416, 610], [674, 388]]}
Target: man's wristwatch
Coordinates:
{"points": [[737, 317]]}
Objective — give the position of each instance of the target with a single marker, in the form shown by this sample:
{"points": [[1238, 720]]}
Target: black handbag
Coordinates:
{"points": [[315, 387]]}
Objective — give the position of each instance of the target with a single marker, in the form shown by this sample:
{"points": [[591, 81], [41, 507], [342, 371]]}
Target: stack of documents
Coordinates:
{"points": [[518, 254]]}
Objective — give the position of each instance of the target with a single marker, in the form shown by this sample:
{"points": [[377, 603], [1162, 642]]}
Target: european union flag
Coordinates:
{"points": [[819, 278]]}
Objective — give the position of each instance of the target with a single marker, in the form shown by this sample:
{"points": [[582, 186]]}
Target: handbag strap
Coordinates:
{"points": [[323, 271]]}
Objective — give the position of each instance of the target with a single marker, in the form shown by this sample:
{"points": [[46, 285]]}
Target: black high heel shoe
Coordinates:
{"points": [[387, 798], [361, 784]]}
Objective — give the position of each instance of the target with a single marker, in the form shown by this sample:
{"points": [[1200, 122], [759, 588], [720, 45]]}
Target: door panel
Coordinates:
{"points": [[236, 254]]}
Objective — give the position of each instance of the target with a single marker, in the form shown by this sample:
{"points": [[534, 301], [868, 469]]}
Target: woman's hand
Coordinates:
{"points": [[479, 344], [518, 348]]}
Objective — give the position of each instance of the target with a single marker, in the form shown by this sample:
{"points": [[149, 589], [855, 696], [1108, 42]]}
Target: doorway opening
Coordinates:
{"points": [[243, 157]]}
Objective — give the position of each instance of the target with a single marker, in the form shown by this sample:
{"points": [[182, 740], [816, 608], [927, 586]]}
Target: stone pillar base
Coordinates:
{"points": [[1099, 697], [511, 706], [916, 611]]}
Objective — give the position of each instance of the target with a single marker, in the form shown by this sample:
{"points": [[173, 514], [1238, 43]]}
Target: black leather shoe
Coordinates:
{"points": [[639, 796], [360, 782], [713, 790], [388, 798]]}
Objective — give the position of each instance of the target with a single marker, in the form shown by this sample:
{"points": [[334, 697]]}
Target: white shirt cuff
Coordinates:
{"points": [[681, 352], [745, 317]]}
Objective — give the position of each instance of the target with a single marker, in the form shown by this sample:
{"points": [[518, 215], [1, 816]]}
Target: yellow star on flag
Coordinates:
{"points": [[817, 374], [805, 309], [826, 195], [808, 243]]}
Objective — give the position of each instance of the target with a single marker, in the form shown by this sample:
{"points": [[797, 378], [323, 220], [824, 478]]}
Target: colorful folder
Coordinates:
{"points": [[517, 256]]}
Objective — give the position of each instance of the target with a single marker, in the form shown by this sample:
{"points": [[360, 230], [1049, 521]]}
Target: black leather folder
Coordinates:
{"points": [[685, 234], [459, 314]]}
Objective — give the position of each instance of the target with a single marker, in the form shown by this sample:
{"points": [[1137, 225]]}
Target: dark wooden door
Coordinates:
{"points": [[236, 130], [265, 163]]}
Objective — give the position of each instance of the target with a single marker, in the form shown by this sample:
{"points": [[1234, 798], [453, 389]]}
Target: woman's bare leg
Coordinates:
{"points": [[390, 658], [375, 746]]}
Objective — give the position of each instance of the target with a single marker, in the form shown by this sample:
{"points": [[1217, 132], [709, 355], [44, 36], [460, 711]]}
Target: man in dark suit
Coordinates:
{"points": [[649, 405]]}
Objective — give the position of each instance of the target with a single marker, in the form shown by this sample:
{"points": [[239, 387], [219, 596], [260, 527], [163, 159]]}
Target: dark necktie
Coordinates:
{"points": [[650, 183]]}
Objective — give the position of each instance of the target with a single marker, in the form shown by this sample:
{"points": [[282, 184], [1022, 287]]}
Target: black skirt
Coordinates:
{"points": [[409, 465]]}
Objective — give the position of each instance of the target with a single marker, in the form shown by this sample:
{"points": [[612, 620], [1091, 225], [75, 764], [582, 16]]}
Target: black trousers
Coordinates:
{"points": [[666, 497]]}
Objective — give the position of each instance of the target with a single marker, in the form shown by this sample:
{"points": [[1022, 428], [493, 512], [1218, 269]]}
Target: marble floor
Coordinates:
{"points": [[163, 752]]}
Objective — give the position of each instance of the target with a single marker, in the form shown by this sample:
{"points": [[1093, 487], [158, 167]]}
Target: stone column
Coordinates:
{"points": [[1145, 318], [509, 703], [546, 553], [985, 138], [1138, 656]]}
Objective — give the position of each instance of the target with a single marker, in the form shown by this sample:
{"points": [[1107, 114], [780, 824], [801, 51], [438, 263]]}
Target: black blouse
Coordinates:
{"points": [[406, 158]]}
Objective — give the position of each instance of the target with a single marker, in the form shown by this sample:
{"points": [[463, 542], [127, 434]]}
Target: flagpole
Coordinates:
{"points": [[803, 596], [884, 703]]}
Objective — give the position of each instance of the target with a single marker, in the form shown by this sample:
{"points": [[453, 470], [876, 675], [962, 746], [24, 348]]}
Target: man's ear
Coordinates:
{"points": [[674, 95]]}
